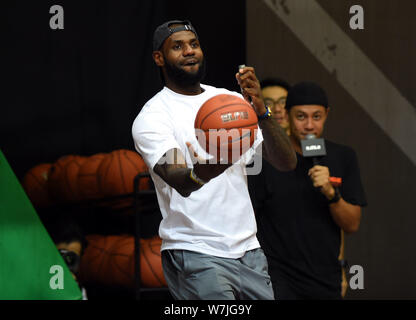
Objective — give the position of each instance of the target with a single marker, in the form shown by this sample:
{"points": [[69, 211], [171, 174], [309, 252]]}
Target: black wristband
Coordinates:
{"points": [[337, 196]]}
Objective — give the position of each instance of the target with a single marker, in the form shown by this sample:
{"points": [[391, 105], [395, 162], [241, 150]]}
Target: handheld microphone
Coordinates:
{"points": [[313, 147]]}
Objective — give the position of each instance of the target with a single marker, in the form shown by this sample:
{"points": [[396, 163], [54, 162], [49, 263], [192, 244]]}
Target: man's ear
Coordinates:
{"points": [[158, 58]]}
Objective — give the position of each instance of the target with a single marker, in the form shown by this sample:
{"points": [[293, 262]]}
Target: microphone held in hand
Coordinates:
{"points": [[313, 147]]}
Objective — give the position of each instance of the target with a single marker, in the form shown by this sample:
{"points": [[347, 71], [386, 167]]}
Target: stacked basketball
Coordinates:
{"points": [[73, 179], [105, 179], [116, 175], [63, 179], [110, 261], [35, 183]]}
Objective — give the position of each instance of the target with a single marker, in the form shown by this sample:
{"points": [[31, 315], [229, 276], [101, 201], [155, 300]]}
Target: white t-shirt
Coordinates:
{"points": [[218, 219]]}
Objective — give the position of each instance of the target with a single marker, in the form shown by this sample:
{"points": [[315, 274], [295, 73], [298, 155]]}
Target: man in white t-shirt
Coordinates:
{"points": [[209, 249]]}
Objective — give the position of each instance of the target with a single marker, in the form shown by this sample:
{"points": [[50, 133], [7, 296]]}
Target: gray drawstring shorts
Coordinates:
{"points": [[192, 276]]}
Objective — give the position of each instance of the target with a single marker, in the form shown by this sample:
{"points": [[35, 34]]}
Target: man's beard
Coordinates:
{"points": [[184, 78]]}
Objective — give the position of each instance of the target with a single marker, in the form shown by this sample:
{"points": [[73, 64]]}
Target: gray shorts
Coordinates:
{"points": [[191, 276]]}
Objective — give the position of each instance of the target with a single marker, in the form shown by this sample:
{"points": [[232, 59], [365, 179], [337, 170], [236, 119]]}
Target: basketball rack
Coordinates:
{"points": [[86, 212]]}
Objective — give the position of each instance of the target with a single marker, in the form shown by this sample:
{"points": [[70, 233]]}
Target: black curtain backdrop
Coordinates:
{"points": [[78, 90]]}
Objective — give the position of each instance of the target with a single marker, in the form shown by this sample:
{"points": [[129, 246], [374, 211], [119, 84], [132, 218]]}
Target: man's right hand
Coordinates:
{"points": [[206, 169], [175, 172]]}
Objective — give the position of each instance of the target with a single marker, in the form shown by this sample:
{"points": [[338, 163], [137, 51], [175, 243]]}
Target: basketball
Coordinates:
{"points": [[225, 126], [151, 264], [116, 175], [109, 260], [35, 184], [63, 175], [88, 177], [70, 190]]}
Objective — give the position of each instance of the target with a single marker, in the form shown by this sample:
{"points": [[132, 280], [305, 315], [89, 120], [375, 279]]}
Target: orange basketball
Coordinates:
{"points": [[71, 190], [56, 174], [150, 263], [225, 126], [63, 179], [116, 175], [109, 260], [35, 183], [88, 177]]}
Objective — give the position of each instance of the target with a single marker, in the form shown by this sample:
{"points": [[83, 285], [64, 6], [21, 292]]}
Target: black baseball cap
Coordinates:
{"points": [[306, 93], [163, 31]]}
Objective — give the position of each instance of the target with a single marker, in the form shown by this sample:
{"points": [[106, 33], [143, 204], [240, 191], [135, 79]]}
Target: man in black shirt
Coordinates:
{"points": [[300, 213]]}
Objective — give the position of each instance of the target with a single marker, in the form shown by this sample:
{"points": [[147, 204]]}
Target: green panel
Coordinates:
{"points": [[27, 252]]}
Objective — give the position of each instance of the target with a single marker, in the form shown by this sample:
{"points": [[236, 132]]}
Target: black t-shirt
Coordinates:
{"points": [[295, 228]]}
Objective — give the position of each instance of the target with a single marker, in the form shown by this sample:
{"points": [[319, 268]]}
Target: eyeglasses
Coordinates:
{"points": [[71, 259], [271, 103]]}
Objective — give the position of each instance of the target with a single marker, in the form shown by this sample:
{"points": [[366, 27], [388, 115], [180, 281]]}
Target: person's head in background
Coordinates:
{"points": [[69, 240], [274, 92], [307, 108]]}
